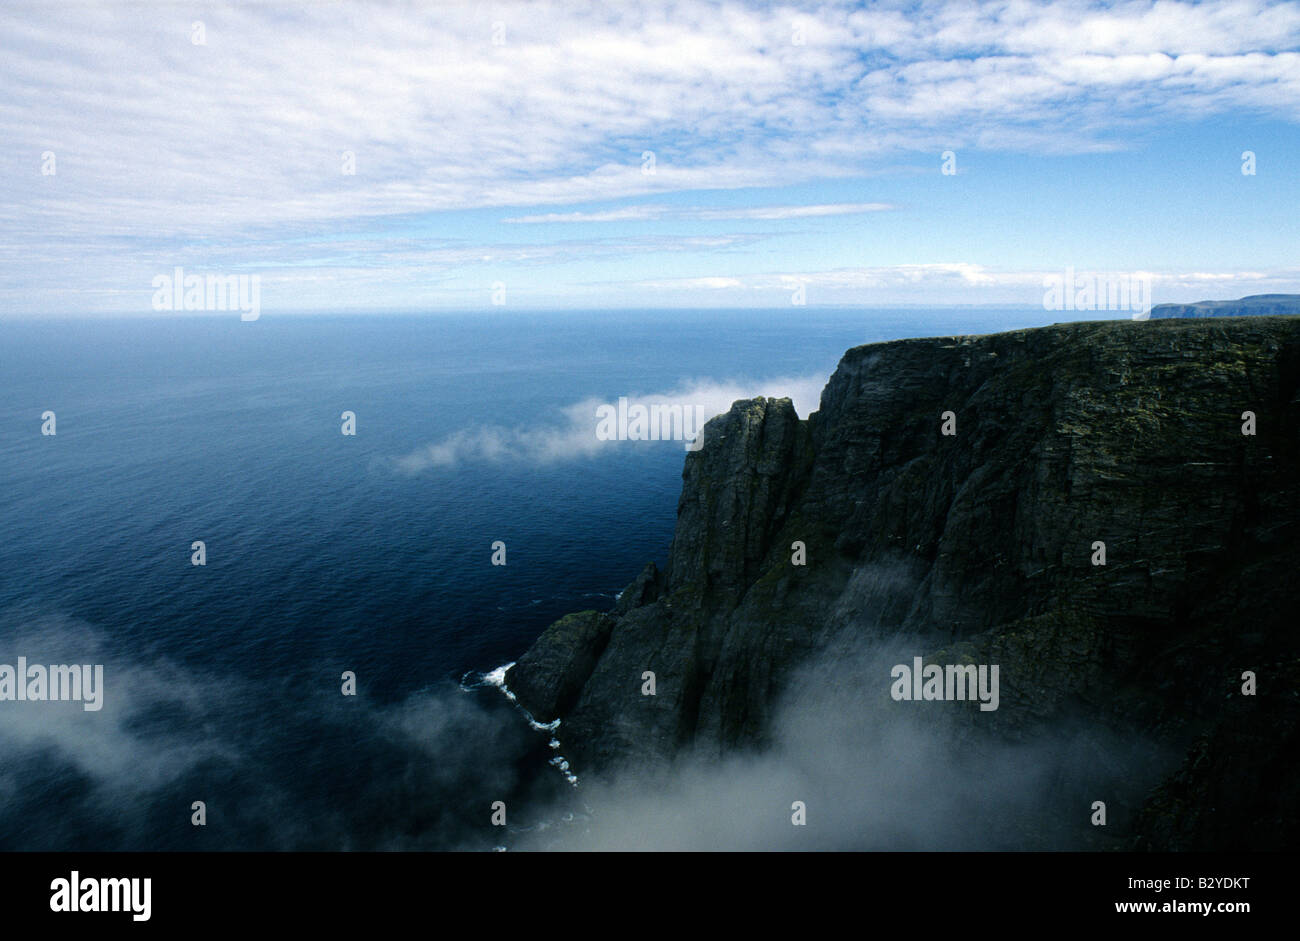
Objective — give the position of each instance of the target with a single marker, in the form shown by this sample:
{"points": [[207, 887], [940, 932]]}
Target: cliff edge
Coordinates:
{"points": [[984, 544]]}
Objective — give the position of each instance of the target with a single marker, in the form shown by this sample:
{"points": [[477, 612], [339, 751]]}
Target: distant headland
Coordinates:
{"points": [[1256, 305]]}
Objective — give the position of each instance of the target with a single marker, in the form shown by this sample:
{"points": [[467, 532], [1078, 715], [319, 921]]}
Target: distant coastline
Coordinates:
{"points": [[1256, 305]]}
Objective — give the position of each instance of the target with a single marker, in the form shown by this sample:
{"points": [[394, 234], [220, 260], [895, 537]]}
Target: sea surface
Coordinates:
{"points": [[325, 553]]}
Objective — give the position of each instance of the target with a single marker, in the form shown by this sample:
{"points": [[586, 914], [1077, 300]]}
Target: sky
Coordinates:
{"points": [[431, 156]]}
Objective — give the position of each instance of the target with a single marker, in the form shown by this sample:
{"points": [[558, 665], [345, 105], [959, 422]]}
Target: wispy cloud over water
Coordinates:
{"points": [[573, 432]]}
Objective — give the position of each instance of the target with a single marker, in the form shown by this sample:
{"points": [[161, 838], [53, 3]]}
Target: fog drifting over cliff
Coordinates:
{"points": [[873, 774]]}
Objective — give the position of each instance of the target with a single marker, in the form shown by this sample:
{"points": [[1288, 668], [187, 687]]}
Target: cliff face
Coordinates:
{"points": [[982, 544]]}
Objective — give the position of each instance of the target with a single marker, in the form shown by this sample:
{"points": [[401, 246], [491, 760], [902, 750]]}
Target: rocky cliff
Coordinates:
{"points": [[984, 544]]}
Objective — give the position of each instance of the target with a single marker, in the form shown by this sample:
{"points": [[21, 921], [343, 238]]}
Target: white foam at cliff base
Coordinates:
{"points": [[497, 678]]}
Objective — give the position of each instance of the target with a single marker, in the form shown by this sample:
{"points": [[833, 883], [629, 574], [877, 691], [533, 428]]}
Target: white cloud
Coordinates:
{"points": [[629, 214], [794, 212], [882, 284], [642, 213], [157, 134], [163, 142], [572, 434]]}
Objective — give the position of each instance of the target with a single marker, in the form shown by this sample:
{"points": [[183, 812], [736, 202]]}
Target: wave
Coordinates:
{"points": [[497, 678]]}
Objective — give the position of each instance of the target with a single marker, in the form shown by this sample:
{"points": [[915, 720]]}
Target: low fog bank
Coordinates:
{"points": [[294, 765], [290, 764], [872, 774]]}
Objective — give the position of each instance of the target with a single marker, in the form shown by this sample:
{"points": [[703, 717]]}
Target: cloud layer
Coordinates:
{"points": [[274, 764], [220, 137], [872, 775]]}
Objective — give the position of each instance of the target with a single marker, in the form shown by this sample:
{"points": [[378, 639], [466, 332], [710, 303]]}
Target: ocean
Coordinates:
{"points": [[328, 553]]}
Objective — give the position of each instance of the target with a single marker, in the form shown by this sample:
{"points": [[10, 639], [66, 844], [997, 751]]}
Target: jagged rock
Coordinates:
{"points": [[549, 676], [736, 493], [644, 590]]}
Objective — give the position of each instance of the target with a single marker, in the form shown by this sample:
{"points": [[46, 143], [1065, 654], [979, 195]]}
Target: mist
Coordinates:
{"points": [[300, 767], [871, 773], [571, 433], [288, 765]]}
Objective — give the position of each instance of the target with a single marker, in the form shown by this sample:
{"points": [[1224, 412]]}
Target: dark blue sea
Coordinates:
{"points": [[328, 553]]}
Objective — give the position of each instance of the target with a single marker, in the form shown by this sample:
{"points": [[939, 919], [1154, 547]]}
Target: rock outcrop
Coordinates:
{"points": [[985, 544]]}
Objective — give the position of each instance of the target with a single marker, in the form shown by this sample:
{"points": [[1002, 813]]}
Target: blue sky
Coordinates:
{"points": [[503, 144]]}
